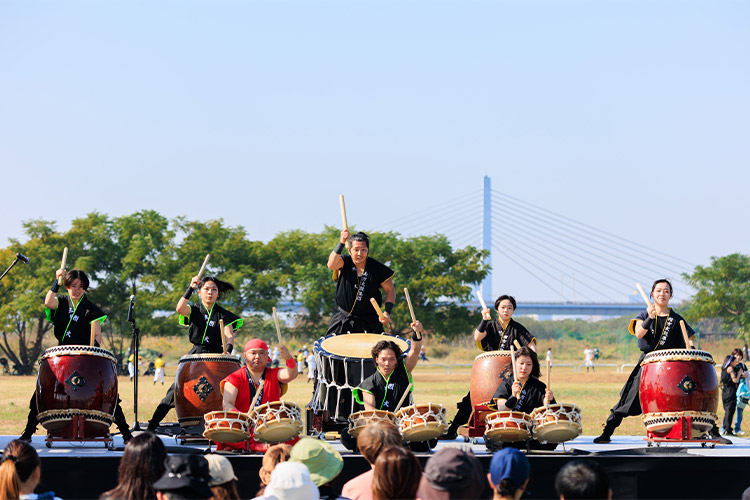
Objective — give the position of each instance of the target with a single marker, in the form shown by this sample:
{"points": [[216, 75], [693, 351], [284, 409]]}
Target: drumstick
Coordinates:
{"points": [[223, 338], [203, 267], [276, 320], [93, 333], [643, 294], [515, 343], [377, 308], [408, 302], [513, 362], [481, 300], [62, 266], [344, 223], [548, 384], [403, 398], [685, 335]]}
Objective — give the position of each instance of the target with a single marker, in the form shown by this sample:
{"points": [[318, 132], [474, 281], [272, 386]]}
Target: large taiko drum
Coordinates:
{"points": [[487, 373], [77, 380], [343, 362], [677, 383], [197, 389]]}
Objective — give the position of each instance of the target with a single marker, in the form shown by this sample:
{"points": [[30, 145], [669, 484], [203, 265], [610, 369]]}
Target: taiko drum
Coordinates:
{"points": [[487, 373], [197, 390]]}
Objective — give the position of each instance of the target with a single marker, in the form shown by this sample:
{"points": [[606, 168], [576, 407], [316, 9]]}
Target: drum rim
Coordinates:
{"points": [[493, 354], [542, 409], [681, 354], [51, 352], [319, 349], [209, 356]]}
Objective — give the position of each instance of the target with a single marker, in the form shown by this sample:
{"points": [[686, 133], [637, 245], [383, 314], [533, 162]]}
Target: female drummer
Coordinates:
{"points": [[204, 332], [73, 317]]}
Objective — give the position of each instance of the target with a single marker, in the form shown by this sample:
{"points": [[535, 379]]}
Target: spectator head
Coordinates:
{"points": [[579, 479], [141, 465], [223, 482], [453, 473], [185, 476], [19, 467], [291, 481], [509, 473], [321, 459], [397, 474], [274, 455], [376, 437]]}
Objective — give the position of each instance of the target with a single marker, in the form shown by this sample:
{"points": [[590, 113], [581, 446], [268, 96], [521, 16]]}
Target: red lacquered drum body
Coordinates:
{"points": [[487, 373], [197, 385], [77, 380]]}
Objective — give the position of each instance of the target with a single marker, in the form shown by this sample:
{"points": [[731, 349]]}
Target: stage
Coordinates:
{"points": [[85, 470]]}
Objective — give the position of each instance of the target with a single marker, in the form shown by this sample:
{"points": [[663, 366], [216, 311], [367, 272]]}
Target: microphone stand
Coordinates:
{"points": [[136, 343], [15, 261]]}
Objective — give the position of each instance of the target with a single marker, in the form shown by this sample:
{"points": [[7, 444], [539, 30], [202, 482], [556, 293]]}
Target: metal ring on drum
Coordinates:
{"points": [[276, 421], [422, 422], [197, 385], [227, 426], [508, 426], [556, 423]]}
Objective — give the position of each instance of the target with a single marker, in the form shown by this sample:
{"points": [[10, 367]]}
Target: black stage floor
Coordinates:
{"points": [[85, 470]]}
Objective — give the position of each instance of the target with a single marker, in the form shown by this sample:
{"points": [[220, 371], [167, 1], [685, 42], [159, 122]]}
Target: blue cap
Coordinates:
{"points": [[509, 463]]}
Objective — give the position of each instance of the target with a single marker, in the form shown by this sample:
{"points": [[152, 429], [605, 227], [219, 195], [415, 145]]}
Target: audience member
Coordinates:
{"points": [[223, 482], [453, 473], [509, 474], [323, 462], [185, 477], [396, 474], [371, 441], [273, 456], [579, 479], [290, 481], [20, 472], [141, 464]]}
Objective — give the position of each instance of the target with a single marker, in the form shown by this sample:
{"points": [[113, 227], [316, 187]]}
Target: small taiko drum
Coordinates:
{"points": [[508, 426], [276, 422], [226, 426], [557, 423], [361, 419], [678, 383], [197, 382], [487, 373], [422, 422], [77, 381]]}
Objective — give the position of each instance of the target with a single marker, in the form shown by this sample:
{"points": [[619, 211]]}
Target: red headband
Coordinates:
{"points": [[256, 344]]}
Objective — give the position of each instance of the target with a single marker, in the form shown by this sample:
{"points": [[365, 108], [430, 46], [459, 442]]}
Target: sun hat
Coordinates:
{"points": [[321, 459], [291, 481]]}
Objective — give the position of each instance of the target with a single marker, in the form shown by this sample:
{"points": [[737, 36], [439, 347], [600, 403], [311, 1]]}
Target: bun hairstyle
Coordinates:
{"points": [[223, 286]]}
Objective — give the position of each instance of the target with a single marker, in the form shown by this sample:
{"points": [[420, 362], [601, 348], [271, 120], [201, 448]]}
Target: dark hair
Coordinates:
{"points": [[579, 479], [526, 351], [19, 461], [663, 280], [271, 458], [76, 274], [738, 352], [226, 491], [505, 297], [396, 474], [376, 437], [386, 344], [360, 236], [223, 286], [141, 465], [506, 487]]}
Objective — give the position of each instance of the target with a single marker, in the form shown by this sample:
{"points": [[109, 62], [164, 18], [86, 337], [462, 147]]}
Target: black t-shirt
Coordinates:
{"points": [[499, 339], [204, 332], [664, 333], [727, 385], [353, 292], [532, 394], [72, 326], [387, 392]]}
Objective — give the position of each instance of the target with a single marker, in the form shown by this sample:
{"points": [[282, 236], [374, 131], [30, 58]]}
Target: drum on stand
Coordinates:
{"points": [[276, 421], [488, 371], [361, 419], [508, 426], [556, 423], [676, 384], [226, 426], [422, 422], [75, 384], [197, 382]]}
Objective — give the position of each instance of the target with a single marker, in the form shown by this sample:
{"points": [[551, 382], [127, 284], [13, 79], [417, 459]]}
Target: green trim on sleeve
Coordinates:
{"points": [[182, 320], [357, 396], [237, 324], [101, 319], [50, 314]]}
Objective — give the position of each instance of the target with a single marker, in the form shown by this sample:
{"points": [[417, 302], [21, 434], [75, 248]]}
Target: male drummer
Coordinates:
{"points": [[358, 279], [72, 318], [256, 382], [497, 335]]}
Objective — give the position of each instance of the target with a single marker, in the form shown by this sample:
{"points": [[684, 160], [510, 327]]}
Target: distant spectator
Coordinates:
{"points": [[310, 360], [141, 464], [371, 441], [509, 474], [396, 474], [290, 481], [223, 482], [549, 354], [323, 462], [275, 357], [185, 476], [731, 373], [159, 369], [579, 479], [453, 473], [20, 472], [588, 355], [274, 455]]}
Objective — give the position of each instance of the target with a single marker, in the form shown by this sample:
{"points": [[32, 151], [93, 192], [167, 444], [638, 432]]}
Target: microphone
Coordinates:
{"points": [[130, 309], [22, 258]]}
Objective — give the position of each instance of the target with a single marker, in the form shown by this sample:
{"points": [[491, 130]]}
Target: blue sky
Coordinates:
{"points": [[627, 116]]}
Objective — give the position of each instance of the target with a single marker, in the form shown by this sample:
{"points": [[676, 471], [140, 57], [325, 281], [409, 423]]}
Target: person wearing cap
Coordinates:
{"points": [[509, 474], [223, 482], [453, 473], [290, 481], [203, 322], [256, 383], [323, 462], [185, 476]]}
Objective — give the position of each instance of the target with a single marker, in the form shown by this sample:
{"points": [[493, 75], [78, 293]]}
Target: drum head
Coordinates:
{"points": [[510, 435], [557, 433], [424, 432], [226, 435], [358, 345], [278, 432]]}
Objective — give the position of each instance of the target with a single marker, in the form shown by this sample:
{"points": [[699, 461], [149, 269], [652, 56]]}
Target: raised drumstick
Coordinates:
{"points": [[515, 343], [62, 266], [481, 300], [643, 294], [513, 362], [223, 338], [203, 267], [408, 302], [276, 321], [685, 335], [93, 333], [403, 398], [548, 384], [344, 224]]}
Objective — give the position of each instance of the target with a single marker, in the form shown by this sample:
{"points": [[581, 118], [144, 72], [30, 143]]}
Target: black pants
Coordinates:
{"points": [[729, 400], [343, 322]]}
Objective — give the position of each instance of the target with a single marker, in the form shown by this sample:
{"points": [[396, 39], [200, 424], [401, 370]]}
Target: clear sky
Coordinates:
{"points": [[630, 116]]}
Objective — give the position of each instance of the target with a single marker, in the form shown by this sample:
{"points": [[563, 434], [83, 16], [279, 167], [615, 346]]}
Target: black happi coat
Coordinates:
{"points": [[353, 292], [72, 326], [387, 391], [665, 332], [498, 339], [204, 332], [532, 394]]}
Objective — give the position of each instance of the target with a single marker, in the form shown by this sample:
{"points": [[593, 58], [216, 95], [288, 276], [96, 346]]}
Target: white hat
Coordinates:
{"points": [[291, 481], [220, 469]]}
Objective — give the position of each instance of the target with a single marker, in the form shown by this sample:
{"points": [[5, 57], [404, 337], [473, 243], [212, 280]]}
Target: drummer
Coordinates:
{"points": [[493, 335], [358, 279], [73, 328], [241, 388], [658, 327], [204, 333]]}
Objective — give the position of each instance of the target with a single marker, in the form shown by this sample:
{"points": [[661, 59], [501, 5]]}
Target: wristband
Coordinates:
{"points": [[230, 348], [338, 248], [388, 307], [291, 364], [188, 293], [511, 402], [55, 286], [646, 325], [414, 336], [483, 325]]}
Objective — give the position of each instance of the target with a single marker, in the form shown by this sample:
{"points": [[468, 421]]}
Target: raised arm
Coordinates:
{"points": [[50, 300], [287, 374], [639, 330], [416, 346], [183, 305], [335, 261], [481, 331]]}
